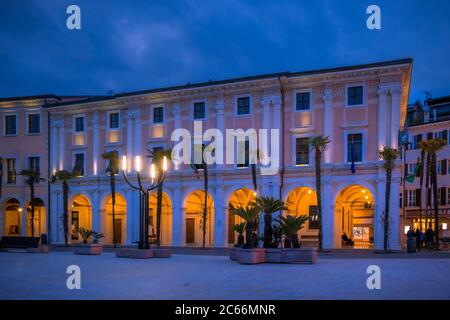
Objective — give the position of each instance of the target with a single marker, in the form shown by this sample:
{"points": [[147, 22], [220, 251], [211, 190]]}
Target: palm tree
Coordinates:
{"points": [[434, 146], [64, 177], [32, 177], [113, 167], [422, 171], [291, 225], [239, 228], [389, 155], [268, 205], [319, 144], [157, 156], [204, 167], [250, 214], [253, 170]]}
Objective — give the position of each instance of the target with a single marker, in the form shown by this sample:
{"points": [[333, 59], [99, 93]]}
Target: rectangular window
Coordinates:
{"points": [[11, 124], [401, 200], [354, 147], [243, 105], [429, 135], [448, 166], [355, 96], [11, 171], [313, 221], [301, 151], [79, 124], [411, 198], [418, 198], [302, 101], [114, 120], [158, 115], [199, 110], [246, 154], [33, 163], [34, 123], [416, 140], [448, 195], [78, 168]]}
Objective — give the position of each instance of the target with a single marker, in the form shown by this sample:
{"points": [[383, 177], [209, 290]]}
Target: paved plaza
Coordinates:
{"points": [[43, 276]]}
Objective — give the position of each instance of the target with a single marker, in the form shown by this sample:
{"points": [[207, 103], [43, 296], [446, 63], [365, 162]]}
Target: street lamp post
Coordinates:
{"points": [[144, 192]]}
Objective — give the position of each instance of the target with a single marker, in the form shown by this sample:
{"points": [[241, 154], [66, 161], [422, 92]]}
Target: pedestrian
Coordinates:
{"points": [[410, 233], [429, 237], [419, 237]]}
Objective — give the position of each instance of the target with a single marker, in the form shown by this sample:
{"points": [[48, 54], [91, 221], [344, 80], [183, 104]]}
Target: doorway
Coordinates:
{"points": [[190, 231]]}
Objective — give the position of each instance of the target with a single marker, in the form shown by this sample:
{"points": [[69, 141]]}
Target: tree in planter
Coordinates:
{"points": [[434, 145], [87, 234], [157, 156], [32, 177], [318, 144], [389, 156], [268, 205], [291, 225], [250, 214], [277, 233], [239, 228], [64, 177], [113, 168], [199, 149]]}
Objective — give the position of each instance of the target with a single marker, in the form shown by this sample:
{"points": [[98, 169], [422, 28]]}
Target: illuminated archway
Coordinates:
{"points": [[12, 218], [240, 197], [354, 215], [39, 218], [302, 201], [120, 219], [194, 205], [166, 219], [80, 216]]}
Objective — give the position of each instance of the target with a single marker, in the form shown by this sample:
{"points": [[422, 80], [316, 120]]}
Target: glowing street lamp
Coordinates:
{"points": [[144, 193]]}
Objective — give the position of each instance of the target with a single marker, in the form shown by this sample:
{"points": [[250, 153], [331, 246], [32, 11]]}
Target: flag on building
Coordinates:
{"points": [[410, 178]]}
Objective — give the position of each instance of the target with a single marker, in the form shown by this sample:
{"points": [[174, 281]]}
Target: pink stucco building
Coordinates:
{"points": [[361, 109]]}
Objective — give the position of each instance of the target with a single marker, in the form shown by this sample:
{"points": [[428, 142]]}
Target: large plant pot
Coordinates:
{"points": [[88, 249], [273, 255], [299, 255], [251, 256], [135, 253], [162, 253]]}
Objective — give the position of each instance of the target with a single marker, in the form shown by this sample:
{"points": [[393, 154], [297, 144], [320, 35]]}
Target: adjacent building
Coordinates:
{"points": [[24, 146], [423, 123]]}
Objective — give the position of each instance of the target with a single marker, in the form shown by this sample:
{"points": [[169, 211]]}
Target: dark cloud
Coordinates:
{"points": [[126, 45]]}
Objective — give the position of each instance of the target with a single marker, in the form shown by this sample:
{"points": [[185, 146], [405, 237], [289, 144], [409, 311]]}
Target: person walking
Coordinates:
{"points": [[419, 237], [429, 237]]}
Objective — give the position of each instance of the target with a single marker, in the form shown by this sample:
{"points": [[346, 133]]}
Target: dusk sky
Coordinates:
{"points": [[134, 45]]}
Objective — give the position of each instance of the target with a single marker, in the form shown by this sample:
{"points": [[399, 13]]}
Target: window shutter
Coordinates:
{"points": [[443, 195], [444, 167], [444, 134], [405, 169], [418, 198]]}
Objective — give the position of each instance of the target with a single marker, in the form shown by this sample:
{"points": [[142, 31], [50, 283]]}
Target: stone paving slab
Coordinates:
{"points": [[43, 276]]}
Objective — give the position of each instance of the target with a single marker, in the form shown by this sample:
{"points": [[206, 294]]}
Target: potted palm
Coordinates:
{"points": [[294, 253], [87, 248], [239, 229], [249, 253]]}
